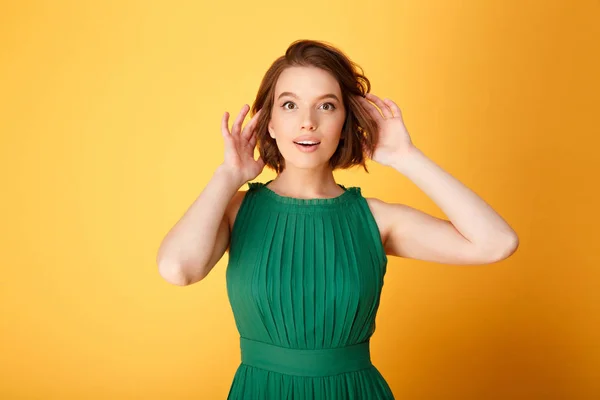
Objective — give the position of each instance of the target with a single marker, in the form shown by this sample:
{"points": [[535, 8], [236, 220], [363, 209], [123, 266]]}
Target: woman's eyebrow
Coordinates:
{"points": [[325, 96]]}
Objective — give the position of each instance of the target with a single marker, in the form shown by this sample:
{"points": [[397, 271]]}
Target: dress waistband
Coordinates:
{"points": [[316, 363]]}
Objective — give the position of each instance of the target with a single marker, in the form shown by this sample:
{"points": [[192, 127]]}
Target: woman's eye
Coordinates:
{"points": [[328, 106]]}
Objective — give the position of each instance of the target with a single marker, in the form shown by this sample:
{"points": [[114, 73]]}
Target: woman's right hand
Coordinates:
{"points": [[239, 147]]}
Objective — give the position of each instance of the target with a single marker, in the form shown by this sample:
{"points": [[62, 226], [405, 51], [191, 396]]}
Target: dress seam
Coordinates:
{"points": [[307, 376]]}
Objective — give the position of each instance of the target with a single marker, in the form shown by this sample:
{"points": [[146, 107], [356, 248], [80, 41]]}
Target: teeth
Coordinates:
{"points": [[307, 142]]}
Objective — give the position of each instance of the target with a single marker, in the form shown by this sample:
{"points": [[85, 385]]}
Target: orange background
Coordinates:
{"points": [[110, 127]]}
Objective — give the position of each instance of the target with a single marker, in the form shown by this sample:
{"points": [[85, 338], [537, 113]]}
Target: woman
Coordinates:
{"points": [[307, 256]]}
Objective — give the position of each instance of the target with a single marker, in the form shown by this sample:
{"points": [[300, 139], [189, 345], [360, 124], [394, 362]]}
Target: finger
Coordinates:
{"points": [[253, 138], [237, 125], [387, 113], [371, 109], [261, 162], [249, 128], [225, 125], [396, 112]]}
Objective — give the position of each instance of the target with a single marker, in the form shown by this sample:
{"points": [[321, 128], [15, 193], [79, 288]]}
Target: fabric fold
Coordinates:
{"points": [[304, 281]]}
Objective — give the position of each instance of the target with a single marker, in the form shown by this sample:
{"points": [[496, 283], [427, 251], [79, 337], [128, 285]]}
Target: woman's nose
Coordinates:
{"points": [[309, 122]]}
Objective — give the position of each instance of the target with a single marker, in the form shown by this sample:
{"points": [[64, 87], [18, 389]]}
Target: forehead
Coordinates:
{"points": [[307, 82]]}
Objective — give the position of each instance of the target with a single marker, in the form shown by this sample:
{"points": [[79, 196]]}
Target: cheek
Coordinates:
{"points": [[283, 124], [333, 127]]}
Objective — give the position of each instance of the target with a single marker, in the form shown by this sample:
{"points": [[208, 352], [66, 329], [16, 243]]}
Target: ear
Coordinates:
{"points": [[271, 131]]}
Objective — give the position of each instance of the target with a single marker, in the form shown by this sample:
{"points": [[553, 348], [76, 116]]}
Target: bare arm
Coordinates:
{"points": [[199, 239], [474, 234]]}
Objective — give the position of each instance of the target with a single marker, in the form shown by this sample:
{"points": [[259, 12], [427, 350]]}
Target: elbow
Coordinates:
{"points": [[172, 273], [175, 273], [507, 249], [513, 244]]}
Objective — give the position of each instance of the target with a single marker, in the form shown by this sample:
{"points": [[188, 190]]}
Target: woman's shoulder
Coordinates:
{"points": [[380, 211], [238, 198], [255, 185], [234, 206]]}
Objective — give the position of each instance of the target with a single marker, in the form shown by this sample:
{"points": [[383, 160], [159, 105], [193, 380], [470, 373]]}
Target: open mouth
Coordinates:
{"points": [[307, 144], [307, 147]]}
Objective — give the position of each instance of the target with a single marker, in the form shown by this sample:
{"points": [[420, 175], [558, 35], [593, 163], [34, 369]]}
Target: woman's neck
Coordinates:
{"points": [[303, 183]]}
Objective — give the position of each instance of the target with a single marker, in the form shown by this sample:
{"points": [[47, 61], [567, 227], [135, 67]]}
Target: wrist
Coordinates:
{"points": [[230, 175], [407, 160]]}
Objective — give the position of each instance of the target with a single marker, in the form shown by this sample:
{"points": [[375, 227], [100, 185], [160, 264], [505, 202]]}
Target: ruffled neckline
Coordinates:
{"points": [[342, 198]]}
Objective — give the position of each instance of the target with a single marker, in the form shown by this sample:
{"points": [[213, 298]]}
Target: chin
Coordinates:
{"points": [[304, 164], [307, 160]]}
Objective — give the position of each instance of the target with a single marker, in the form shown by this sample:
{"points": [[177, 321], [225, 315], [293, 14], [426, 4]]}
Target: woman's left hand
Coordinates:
{"points": [[394, 141]]}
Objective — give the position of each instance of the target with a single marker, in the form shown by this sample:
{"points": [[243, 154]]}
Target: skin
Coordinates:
{"points": [[300, 109], [473, 234]]}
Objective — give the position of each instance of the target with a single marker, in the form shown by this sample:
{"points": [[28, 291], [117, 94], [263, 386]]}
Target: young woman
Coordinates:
{"points": [[307, 256]]}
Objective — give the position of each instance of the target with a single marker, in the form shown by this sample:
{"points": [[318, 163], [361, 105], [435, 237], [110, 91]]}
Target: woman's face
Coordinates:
{"points": [[308, 108]]}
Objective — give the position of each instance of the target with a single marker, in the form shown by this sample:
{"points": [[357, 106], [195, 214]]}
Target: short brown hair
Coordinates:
{"points": [[359, 132]]}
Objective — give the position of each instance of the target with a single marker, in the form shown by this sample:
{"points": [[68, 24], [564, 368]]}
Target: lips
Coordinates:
{"points": [[307, 139], [308, 144], [307, 148]]}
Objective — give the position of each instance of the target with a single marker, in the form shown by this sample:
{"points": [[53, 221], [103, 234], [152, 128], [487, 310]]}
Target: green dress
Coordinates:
{"points": [[304, 280]]}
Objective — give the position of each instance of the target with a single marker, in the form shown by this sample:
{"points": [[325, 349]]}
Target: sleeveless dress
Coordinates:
{"points": [[304, 280]]}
